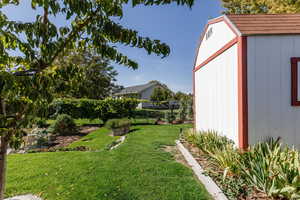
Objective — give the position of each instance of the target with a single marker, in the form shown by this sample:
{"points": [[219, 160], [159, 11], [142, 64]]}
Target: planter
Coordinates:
{"points": [[120, 131]]}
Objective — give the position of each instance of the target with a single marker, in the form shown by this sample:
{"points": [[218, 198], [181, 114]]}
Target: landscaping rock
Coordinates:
{"points": [[25, 197]]}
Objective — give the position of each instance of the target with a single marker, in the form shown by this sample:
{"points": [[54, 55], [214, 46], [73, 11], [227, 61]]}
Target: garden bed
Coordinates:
{"points": [[242, 191], [266, 170]]}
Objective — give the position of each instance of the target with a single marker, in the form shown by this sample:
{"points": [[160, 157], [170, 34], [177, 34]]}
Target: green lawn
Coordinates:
{"points": [[80, 122], [97, 140], [138, 170]]}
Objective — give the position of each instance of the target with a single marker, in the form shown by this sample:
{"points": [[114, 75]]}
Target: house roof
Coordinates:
{"points": [[266, 24], [136, 89]]}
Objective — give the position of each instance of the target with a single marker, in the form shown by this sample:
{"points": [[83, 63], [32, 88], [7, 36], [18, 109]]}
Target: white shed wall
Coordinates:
{"points": [[216, 95], [270, 112], [221, 35]]}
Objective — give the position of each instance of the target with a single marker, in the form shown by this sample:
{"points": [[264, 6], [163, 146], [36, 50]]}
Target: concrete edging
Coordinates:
{"points": [[209, 184], [120, 141]]}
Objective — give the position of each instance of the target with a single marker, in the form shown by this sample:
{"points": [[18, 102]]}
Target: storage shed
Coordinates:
{"points": [[246, 78]]}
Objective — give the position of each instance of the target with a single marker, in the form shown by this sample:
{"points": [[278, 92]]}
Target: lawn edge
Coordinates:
{"points": [[212, 188]]}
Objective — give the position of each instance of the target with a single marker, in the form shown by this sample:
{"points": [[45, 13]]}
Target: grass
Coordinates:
{"points": [[81, 122], [96, 140], [138, 170]]}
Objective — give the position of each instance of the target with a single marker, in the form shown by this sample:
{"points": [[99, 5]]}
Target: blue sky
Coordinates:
{"points": [[178, 26]]}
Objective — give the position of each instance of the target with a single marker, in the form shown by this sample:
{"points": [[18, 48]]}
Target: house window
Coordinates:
{"points": [[295, 83]]}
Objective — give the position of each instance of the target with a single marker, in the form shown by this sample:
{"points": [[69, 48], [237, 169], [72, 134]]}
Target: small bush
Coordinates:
{"points": [[63, 126], [209, 142], [119, 126], [170, 117], [272, 169], [117, 123], [41, 123], [146, 114]]}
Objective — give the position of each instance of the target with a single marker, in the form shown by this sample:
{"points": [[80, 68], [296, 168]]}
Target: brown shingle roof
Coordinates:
{"points": [[266, 24]]}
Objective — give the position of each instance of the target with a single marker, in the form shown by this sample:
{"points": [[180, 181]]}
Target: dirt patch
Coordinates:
{"points": [[87, 129], [63, 141], [176, 154]]}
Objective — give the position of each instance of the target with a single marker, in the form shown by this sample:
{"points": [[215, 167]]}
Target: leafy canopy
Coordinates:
{"points": [[84, 74], [161, 94], [89, 24], [261, 6]]}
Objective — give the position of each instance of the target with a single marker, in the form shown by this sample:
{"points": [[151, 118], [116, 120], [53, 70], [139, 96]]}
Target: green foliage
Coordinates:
{"points": [[170, 116], [20, 99], [84, 74], [274, 169], [63, 126], [89, 23], [161, 95], [87, 108], [261, 6], [117, 123], [268, 167], [183, 110], [41, 123], [208, 142], [116, 108], [146, 114]]}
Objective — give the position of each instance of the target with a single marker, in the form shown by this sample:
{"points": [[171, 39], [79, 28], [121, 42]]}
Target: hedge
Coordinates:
{"points": [[92, 109]]}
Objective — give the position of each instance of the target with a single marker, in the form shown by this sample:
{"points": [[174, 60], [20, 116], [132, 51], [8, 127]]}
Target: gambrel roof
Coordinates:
{"points": [[266, 24]]}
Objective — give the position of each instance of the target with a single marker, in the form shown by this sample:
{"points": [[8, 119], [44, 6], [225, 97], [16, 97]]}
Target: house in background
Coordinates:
{"points": [[247, 78], [142, 92]]}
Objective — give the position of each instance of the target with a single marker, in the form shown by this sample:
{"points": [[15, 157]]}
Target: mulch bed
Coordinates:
{"points": [[64, 141], [216, 174]]}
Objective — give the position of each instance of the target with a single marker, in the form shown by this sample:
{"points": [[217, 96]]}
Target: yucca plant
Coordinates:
{"points": [[272, 169], [226, 160]]}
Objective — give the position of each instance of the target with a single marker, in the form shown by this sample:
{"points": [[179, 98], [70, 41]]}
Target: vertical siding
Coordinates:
{"points": [[216, 95], [221, 35], [270, 112]]}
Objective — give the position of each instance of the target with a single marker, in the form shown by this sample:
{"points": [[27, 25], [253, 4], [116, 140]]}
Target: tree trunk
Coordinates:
{"points": [[3, 152]]}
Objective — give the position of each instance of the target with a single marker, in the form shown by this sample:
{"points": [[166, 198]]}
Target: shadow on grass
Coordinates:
{"points": [[121, 195], [134, 130], [96, 125]]}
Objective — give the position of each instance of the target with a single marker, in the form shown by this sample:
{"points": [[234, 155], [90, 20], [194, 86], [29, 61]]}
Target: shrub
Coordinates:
{"points": [[209, 142], [117, 123], [183, 110], [272, 169], [41, 123], [63, 126], [87, 108], [170, 116], [118, 126], [145, 114]]}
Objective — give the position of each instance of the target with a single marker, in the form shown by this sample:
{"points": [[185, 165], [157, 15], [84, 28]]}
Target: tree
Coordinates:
{"points": [[84, 74], [261, 6], [88, 24], [180, 95], [21, 97], [161, 95]]}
